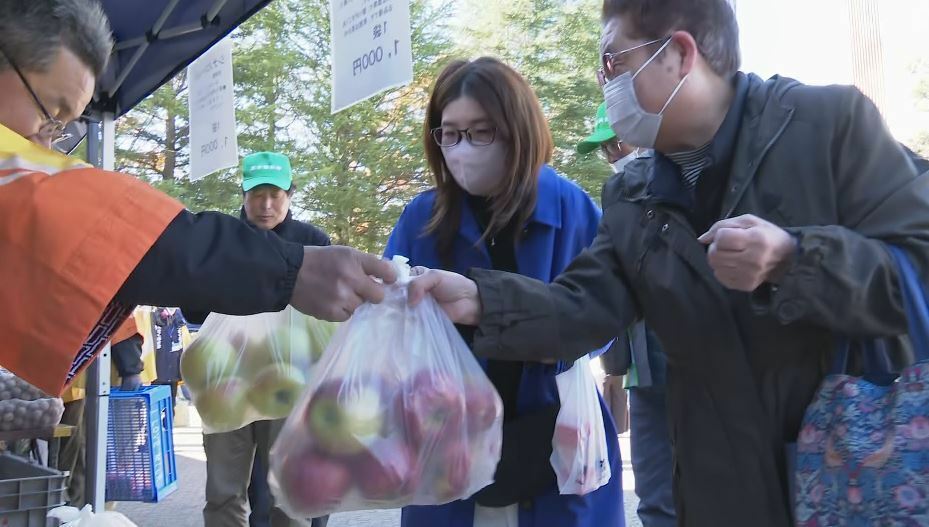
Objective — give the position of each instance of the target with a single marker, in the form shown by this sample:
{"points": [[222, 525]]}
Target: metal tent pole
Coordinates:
{"points": [[100, 152]]}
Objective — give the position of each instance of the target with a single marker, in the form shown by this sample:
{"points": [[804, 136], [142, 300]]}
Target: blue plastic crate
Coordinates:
{"points": [[140, 463]]}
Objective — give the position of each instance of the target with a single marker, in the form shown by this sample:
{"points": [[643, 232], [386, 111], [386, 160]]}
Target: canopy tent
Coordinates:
{"points": [[154, 40]]}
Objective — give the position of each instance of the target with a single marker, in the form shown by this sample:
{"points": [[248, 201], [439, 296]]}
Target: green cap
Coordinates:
{"points": [[602, 133], [266, 168]]}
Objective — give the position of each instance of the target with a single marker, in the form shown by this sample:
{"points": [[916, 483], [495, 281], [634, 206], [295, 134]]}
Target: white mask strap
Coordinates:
{"points": [[671, 98], [650, 59]]}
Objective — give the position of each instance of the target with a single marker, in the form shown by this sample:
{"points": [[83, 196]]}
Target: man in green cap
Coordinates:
{"points": [[267, 186], [237, 461], [616, 153], [638, 355]]}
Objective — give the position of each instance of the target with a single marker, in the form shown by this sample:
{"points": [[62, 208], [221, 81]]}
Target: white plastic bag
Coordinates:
{"points": [[398, 413], [72, 517], [245, 369], [579, 448]]}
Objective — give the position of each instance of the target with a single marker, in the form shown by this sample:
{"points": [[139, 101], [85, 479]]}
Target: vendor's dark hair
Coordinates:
{"points": [[712, 23], [32, 32], [517, 114]]}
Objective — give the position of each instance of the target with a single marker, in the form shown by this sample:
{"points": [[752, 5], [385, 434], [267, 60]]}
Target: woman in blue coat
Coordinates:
{"points": [[496, 204]]}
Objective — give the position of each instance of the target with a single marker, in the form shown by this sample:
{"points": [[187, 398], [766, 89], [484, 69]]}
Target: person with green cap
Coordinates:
{"points": [[267, 186], [637, 355], [237, 461], [616, 152]]}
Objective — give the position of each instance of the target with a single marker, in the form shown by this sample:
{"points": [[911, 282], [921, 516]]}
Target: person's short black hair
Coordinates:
{"points": [[32, 32], [711, 22]]}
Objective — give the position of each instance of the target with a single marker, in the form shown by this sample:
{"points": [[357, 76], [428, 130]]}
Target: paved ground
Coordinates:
{"points": [[182, 508]]}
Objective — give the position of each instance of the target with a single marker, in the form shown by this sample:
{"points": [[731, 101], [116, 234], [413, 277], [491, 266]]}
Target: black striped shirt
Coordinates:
{"points": [[692, 163]]}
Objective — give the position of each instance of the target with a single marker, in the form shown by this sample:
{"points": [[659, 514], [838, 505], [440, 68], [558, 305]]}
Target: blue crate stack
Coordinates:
{"points": [[140, 463]]}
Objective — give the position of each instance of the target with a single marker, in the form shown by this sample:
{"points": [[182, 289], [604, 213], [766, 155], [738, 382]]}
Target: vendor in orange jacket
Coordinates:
{"points": [[81, 247]]}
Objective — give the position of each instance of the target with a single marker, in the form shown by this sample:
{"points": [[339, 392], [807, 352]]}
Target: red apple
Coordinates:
{"points": [[343, 416], [565, 443], [432, 408], [312, 484], [387, 471], [566, 439], [450, 469], [483, 406]]}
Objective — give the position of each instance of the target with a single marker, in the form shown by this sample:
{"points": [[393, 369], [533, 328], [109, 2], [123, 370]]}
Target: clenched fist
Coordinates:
{"points": [[748, 251]]}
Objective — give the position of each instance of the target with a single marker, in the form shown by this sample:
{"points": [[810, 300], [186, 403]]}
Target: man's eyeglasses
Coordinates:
{"points": [[448, 137], [51, 128], [608, 67], [612, 149]]}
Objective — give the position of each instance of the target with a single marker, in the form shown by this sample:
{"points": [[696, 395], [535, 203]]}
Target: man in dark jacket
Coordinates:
{"points": [[237, 461], [762, 225]]}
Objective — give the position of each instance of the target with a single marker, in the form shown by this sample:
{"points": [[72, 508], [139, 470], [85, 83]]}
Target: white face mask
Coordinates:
{"points": [[621, 163], [627, 117], [476, 169]]}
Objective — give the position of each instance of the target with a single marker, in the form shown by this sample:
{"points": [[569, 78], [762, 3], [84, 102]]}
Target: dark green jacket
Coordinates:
{"points": [[817, 161]]}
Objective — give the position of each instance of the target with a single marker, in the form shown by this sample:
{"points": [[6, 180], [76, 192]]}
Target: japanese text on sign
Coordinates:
{"points": [[371, 49], [213, 144]]}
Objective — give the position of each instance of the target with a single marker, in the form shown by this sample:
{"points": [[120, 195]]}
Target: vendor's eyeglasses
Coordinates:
{"points": [[51, 128]]}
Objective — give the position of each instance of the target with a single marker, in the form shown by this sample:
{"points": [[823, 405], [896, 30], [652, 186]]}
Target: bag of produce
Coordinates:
{"points": [[25, 407], [242, 369], [398, 413], [579, 448]]}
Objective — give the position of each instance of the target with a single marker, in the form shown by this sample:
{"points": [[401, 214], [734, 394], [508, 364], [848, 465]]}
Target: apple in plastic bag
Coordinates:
{"points": [[208, 361], [244, 341], [387, 471], [289, 344], [433, 408], [450, 470], [223, 405], [483, 406], [344, 416], [566, 442], [311, 483], [276, 389], [320, 332]]}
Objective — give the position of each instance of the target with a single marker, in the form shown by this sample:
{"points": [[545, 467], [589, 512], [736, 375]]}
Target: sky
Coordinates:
{"points": [[809, 41]]}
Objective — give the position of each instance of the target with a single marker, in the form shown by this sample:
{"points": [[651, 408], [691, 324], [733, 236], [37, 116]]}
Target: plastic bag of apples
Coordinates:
{"points": [[398, 413], [250, 368], [579, 448]]}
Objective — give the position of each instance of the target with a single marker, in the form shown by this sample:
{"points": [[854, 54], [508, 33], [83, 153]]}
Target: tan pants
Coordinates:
{"points": [[229, 460], [71, 457]]}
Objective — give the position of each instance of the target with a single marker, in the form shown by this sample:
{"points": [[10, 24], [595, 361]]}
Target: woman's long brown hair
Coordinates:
{"points": [[513, 107]]}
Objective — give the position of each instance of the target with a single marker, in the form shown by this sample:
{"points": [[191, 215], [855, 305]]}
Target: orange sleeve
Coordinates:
{"points": [[67, 244]]}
